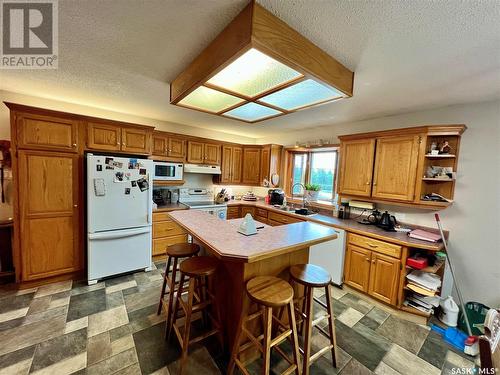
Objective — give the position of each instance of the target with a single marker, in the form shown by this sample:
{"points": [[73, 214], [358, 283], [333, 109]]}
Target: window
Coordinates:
{"points": [[317, 168]]}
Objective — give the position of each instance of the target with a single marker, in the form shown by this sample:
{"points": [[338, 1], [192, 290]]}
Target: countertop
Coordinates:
{"points": [[223, 239], [350, 226], [171, 207]]}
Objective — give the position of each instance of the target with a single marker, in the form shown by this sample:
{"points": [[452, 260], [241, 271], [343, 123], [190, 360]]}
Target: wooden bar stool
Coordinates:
{"points": [[174, 253], [311, 276], [268, 293], [200, 297]]}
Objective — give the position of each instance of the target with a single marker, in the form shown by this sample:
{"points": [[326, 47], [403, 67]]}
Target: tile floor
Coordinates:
{"points": [[112, 328]]}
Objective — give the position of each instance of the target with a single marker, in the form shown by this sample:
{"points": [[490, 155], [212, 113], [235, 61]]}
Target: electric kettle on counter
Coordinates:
{"points": [[387, 222]]}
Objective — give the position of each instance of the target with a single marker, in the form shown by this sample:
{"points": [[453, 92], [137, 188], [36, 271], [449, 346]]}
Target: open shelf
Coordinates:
{"points": [[441, 156], [415, 311], [433, 179], [430, 269]]}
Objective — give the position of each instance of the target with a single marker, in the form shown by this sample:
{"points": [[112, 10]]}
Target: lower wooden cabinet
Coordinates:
{"points": [[371, 272], [233, 212], [357, 267], [247, 210], [165, 233], [49, 194], [384, 276]]}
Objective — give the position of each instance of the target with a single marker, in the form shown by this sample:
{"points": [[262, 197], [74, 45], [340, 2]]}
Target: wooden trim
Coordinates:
{"points": [[428, 129], [68, 115]]}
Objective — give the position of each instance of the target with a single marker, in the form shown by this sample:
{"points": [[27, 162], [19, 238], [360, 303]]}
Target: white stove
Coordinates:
{"points": [[202, 199]]}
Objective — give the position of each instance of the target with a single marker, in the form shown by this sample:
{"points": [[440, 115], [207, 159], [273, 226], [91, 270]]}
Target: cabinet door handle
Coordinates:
{"points": [[75, 205], [123, 144], [74, 144], [373, 261], [368, 182], [371, 245], [367, 259], [118, 143]]}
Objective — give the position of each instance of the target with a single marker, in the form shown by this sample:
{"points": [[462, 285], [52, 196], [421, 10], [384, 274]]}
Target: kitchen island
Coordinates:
{"points": [[270, 252]]}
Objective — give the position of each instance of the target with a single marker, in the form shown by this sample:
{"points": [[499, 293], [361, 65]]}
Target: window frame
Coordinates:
{"points": [[291, 153]]}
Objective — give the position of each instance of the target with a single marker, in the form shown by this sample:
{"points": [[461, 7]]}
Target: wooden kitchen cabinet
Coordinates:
{"points": [[176, 147], [357, 267], [49, 194], [203, 153], [384, 276], [113, 137], [136, 140], [165, 145], [356, 167], [270, 162], [373, 266], [165, 233], [231, 164], [47, 132], [247, 210], [251, 165], [104, 137], [395, 168], [233, 212]]}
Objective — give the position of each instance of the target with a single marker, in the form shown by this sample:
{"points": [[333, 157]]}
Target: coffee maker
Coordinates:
{"points": [[276, 196], [162, 196]]}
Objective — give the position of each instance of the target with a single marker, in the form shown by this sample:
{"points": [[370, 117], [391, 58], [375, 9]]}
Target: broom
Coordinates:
{"points": [[471, 342]]}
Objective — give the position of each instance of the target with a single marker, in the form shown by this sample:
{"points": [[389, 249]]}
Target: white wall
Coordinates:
{"points": [[473, 219]]}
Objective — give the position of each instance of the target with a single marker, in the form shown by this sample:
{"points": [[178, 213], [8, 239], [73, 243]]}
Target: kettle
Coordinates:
{"points": [[387, 221]]}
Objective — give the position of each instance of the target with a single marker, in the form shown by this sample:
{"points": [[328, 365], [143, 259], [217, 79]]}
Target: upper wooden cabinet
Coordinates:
{"points": [[113, 137], [46, 132], [270, 162], [232, 158], [392, 165], [251, 165], [203, 153], [356, 167], [166, 145], [136, 140], [49, 214], [395, 168]]}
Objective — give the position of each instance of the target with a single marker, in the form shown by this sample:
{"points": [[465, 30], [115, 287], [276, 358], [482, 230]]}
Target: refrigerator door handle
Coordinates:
{"points": [[109, 235]]}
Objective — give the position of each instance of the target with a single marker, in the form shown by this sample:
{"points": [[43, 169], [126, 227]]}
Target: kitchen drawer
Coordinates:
{"points": [[161, 216], [234, 212], [261, 212], [247, 210], [160, 244], [284, 219], [166, 228], [375, 245], [261, 219]]}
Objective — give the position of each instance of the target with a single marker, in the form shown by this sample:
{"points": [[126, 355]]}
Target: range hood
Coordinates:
{"points": [[202, 169]]}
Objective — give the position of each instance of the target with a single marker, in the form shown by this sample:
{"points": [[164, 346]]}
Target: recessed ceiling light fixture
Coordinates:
{"points": [[258, 68]]}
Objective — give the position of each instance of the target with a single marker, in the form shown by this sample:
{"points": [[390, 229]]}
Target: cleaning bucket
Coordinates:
{"points": [[449, 312], [476, 312]]}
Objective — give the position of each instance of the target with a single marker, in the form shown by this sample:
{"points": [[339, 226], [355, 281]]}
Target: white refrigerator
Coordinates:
{"points": [[119, 215]]}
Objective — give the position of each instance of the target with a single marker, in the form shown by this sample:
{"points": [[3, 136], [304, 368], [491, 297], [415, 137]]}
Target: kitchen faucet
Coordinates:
{"points": [[304, 202]]}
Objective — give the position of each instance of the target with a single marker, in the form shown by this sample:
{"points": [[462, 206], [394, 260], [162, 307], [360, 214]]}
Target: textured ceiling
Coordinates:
{"points": [[407, 55]]}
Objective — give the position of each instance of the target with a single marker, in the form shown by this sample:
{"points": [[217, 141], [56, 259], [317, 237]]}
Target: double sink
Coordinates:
{"points": [[299, 211]]}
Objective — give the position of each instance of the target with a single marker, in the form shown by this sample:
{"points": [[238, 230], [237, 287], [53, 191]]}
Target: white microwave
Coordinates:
{"points": [[167, 171]]}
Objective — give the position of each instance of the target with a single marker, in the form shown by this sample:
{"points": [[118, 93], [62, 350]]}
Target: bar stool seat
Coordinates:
{"points": [[268, 293], [199, 266], [310, 276], [183, 250], [174, 254]]}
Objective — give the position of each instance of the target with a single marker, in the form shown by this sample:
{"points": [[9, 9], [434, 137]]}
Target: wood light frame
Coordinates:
{"points": [[257, 28]]}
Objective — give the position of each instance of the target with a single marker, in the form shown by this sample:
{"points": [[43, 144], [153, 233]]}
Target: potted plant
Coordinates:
{"points": [[312, 191]]}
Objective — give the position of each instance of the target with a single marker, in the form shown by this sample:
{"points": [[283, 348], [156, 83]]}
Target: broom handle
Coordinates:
{"points": [[460, 299]]}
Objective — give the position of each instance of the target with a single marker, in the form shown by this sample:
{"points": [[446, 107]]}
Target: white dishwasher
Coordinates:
{"points": [[330, 255]]}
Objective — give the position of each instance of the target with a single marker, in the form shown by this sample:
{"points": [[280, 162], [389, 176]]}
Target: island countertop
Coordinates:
{"points": [[224, 240]]}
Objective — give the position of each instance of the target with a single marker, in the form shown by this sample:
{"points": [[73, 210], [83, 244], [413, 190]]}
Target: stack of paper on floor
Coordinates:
{"points": [[425, 286]]}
